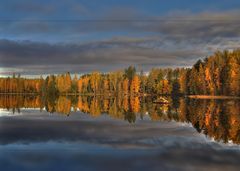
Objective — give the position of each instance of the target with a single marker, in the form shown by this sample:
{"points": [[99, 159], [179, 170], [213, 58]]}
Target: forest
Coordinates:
{"points": [[218, 74]]}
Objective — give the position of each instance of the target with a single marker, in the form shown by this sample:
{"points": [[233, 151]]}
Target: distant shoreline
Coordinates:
{"points": [[220, 97], [212, 97]]}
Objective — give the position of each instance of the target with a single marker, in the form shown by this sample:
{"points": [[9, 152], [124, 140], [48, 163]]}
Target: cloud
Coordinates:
{"points": [[16, 11], [115, 39], [31, 7], [30, 57], [27, 7], [187, 25], [100, 55]]}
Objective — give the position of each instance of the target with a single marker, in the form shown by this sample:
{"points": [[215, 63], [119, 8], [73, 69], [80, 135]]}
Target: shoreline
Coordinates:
{"points": [[139, 94], [212, 97]]}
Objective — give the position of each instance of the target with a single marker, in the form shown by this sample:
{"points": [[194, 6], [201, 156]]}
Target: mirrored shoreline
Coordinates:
{"points": [[217, 119]]}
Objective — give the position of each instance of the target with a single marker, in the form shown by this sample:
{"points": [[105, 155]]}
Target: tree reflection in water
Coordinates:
{"points": [[218, 119]]}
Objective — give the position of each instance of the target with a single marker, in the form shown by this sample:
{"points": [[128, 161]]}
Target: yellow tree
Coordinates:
{"points": [[85, 84], [80, 85], [125, 86], [60, 83], [68, 82], [95, 81], [164, 87], [105, 85], [209, 82], [74, 87], [183, 81], [135, 84], [234, 76], [135, 104], [63, 105], [95, 107], [125, 103], [64, 83]]}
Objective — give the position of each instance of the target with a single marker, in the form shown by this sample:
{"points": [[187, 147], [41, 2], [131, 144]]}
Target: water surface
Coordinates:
{"points": [[118, 133]]}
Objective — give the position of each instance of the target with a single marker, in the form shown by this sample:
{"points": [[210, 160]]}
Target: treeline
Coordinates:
{"points": [[16, 84], [216, 75]]}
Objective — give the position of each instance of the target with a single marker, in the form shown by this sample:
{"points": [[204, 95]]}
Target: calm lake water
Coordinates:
{"points": [[118, 133]]}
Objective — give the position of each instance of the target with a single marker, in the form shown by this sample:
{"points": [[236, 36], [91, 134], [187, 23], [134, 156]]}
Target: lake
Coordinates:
{"points": [[118, 133]]}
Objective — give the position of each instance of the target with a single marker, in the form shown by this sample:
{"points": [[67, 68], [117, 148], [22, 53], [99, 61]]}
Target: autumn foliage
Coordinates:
{"points": [[218, 74]]}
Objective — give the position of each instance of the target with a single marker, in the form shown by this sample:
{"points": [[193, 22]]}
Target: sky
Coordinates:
{"points": [[57, 36]]}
